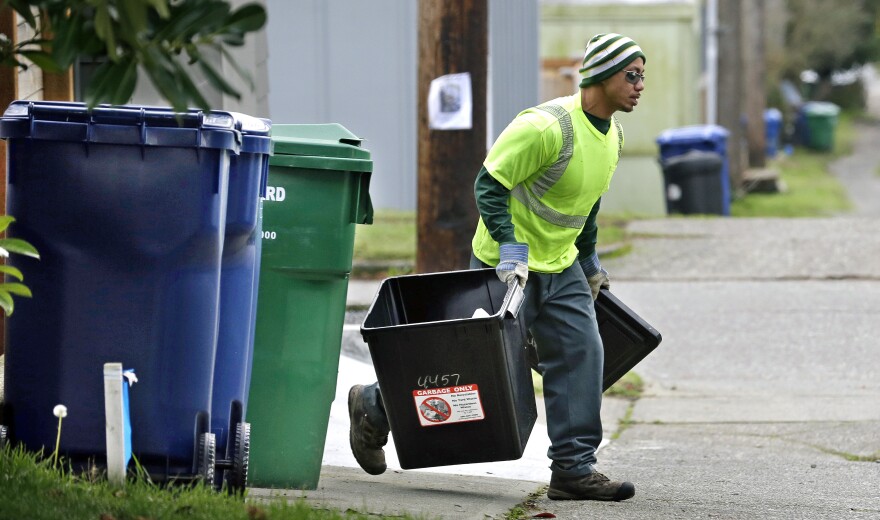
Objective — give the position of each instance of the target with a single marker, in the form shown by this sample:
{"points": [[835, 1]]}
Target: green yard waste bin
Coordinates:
{"points": [[821, 120], [317, 192]]}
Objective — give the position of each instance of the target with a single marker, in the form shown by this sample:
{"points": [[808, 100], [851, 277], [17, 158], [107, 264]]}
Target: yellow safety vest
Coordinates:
{"points": [[556, 165]]}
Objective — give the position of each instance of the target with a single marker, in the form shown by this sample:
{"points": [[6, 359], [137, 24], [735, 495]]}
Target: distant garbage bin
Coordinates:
{"points": [[126, 206], [693, 183], [820, 121], [318, 191], [772, 130], [239, 280], [707, 138], [455, 381]]}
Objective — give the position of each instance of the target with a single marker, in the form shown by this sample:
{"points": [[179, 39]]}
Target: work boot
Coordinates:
{"points": [[366, 438], [592, 486]]}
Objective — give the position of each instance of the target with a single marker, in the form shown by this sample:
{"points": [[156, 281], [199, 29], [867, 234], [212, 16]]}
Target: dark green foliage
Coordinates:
{"points": [[157, 37], [828, 35]]}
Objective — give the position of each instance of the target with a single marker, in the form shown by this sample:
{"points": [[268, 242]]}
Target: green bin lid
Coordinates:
{"points": [[320, 146], [821, 108]]}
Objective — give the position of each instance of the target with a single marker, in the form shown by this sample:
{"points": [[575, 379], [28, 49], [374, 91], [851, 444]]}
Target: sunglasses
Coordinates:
{"points": [[632, 77]]}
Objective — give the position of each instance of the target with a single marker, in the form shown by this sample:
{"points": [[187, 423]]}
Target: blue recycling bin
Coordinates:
{"points": [[127, 207], [707, 138], [239, 280], [772, 130]]}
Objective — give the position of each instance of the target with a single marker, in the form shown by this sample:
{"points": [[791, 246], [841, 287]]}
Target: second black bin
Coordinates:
{"points": [[694, 183], [455, 381]]}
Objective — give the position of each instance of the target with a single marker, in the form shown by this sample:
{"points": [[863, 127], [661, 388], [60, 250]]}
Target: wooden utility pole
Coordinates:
{"points": [[730, 87], [453, 38], [755, 71]]}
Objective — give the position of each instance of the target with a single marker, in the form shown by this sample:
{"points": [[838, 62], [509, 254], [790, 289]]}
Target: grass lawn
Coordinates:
{"points": [[391, 237], [34, 489], [811, 191]]}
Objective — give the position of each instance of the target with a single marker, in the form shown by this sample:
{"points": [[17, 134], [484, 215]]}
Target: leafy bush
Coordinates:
{"points": [[159, 38], [20, 247]]}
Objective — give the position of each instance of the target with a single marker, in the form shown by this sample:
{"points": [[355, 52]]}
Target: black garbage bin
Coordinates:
{"points": [[706, 138], [450, 356], [694, 183]]}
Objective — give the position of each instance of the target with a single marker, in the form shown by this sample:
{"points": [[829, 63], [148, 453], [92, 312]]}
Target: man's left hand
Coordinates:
{"points": [[600, 280], [596, 275]]}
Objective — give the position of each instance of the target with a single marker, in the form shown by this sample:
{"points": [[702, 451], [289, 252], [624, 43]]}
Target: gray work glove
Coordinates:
{"points": [[597, 277], [598, 281], [514, 263]]}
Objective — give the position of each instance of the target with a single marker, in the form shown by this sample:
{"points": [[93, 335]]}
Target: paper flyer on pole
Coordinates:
{"points": [[450, 102]]}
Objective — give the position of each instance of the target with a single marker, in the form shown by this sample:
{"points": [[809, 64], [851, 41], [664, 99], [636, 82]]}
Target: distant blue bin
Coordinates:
{"points": [[248, 173], [772, 130], [126, 206], [707, 138]]}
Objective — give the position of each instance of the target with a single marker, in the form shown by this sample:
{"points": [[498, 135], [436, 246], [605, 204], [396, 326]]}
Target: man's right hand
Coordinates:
{"points": [[513, 263]]}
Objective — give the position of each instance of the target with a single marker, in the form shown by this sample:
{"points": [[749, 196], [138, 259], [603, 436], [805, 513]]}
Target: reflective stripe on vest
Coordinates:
{"points": [[554, 172], [531, 198], [619, 136]]}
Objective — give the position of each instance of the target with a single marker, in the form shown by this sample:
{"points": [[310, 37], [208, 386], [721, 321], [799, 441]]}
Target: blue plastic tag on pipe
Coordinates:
{"points": [[130, 378]]}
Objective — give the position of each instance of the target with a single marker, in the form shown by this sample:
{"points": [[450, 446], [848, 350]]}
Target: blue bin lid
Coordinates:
{"points": [[122, 125], [772, 115], [255, 140], [692, 134], [255, 133]]}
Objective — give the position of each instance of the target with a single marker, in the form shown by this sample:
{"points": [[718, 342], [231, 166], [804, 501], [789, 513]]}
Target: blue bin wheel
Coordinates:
{"points": [[236, 478], [4, 437], [206, 457]]}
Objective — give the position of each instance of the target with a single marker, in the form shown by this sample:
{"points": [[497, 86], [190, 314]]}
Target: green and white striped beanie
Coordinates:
{"points": [[606, 55]]}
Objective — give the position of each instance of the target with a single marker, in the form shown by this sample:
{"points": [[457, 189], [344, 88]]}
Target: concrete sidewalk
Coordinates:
{"points": [[418, 494]]}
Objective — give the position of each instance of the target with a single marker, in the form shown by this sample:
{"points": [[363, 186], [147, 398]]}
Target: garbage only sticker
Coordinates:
{"points": [[453, 404]]}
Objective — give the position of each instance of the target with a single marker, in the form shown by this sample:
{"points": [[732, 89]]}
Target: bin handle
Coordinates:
{"points": [[362, 205], [512, 300]]}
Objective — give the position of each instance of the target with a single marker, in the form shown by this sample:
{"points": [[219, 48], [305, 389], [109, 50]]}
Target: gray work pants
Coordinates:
{"points": [[558, 311]]}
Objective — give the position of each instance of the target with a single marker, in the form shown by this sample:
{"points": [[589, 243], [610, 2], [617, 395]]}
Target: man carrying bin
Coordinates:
{"points": [[538, 194]]}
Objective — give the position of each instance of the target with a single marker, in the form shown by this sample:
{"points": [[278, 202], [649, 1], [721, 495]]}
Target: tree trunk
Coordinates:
{"points": [[730, 87], [755, 72]]}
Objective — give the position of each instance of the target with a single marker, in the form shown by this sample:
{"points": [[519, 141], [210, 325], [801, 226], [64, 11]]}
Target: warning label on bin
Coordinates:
{"points": [[453, 404]]}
